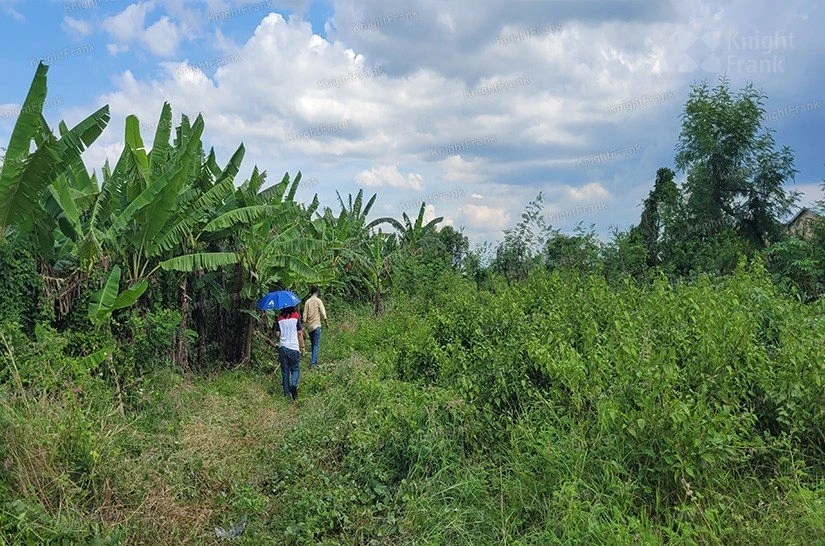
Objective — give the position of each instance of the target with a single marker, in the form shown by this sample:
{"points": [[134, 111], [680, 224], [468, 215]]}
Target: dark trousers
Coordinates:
{"points": [[290, 368], [315, 339]]}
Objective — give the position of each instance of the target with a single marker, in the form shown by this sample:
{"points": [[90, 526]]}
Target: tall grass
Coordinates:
{"points": [[558, 411]]}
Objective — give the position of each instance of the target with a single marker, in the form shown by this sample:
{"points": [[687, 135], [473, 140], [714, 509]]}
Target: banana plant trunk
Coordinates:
{"points": [[234, 343], [247, 348], [181, 351], [379, 306]]}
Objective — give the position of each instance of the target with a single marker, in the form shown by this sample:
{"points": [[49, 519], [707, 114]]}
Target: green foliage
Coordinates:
{"points": [[146, 341], [521, 248], [659, 205], [581, 251], [673, 390], [43, 366], [560, 401], [734, 172], [20, 283], [798, 264], [107, 300]]}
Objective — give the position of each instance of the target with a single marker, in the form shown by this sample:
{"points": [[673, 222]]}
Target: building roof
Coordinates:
{"points": [[803, 212]]}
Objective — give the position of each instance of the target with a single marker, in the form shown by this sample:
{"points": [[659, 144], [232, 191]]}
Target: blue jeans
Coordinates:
{"points": [[290, 368], [315, 340]]}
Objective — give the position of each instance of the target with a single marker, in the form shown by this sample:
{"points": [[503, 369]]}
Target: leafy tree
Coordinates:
{"points": [[625, 254], [662, 199], [522, 244], [455, 245], [581, 251], [412, 232], [735, 174], [26, 175]]}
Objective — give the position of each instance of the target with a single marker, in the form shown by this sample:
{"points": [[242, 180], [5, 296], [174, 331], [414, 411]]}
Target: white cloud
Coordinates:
{"points": [[129, 23], [429, 215], [389, 175], [280, 86], [76, 26], [589, 192], [115, 49], [163, 37], [484, 217], [457, 168], [7, 7]]}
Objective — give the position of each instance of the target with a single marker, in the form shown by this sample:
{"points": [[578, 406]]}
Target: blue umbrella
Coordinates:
{"points": [[278, 300]]}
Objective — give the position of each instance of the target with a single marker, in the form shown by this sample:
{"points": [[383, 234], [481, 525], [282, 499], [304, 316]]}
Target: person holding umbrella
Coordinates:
{"points": [[291, 335]]}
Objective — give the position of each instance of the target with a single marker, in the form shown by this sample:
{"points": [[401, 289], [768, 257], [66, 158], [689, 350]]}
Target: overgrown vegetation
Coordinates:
{"points": [[664, 387]]}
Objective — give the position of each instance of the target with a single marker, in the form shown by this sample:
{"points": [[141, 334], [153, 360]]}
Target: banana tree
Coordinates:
{"points": [[377, 268], [26, 175], [411, 233]]}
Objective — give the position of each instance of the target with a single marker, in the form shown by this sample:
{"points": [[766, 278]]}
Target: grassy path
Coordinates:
{"points": [[224, 423], [227, 447]]}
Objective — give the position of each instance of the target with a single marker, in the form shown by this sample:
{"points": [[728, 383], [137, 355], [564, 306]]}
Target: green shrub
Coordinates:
{"points": [[146, 341], [20, 284]]}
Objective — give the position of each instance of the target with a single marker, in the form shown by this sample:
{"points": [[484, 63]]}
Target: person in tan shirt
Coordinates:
{"points": [[314, 314]]}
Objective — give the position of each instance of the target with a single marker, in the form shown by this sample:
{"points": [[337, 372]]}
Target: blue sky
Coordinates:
{"points": [[472, 106]]}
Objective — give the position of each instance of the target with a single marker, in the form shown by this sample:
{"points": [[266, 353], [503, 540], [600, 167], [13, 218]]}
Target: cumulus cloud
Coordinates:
{"points": [[484, 216], [389, 175], [161, 37], [128, 24], [430, 215], [321, 104], [589, 192]]}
